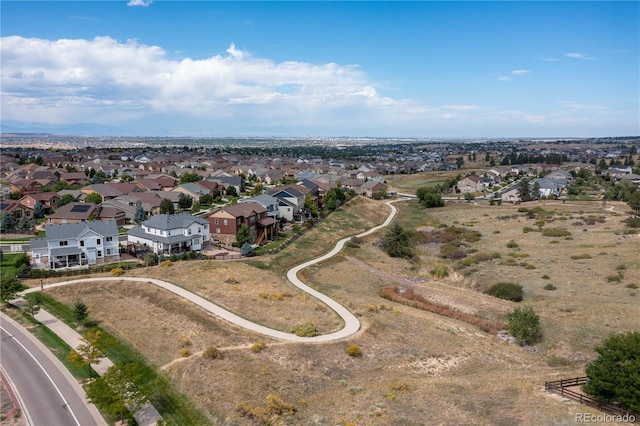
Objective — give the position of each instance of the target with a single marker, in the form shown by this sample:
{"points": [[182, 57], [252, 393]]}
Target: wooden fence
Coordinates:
{"points": [[559, 387]]}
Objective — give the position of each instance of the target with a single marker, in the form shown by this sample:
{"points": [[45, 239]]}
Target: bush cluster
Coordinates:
{"points": [[353, 350], [306, 329], [506, 291]]}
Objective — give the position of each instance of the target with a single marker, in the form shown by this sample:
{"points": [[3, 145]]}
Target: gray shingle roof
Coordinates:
{"points": [[71, 230], [137, 231], [173, 221]]}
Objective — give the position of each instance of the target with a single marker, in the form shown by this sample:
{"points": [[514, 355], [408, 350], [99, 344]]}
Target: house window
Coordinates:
{"points": [[199, 230], [81, 243], [195, 241], [189, 231], [217, 230], [98, 241], [216, 221], [108, 251], [64, 243], [225, 222], [99, 253], [109, 239]]}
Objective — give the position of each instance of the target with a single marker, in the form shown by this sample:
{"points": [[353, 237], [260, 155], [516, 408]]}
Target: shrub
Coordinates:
{"points": [[353, 350], [185, 342], [116, 272], [258, 347], [524, 325], [185, 352], [631, 286], [613, 278], [558, 361], [440, 270], [549, 287], [581, 256], [451, 251], [555, 232], [506, 291], [545, 277], [529, 266], [527, 229], [211, 352], [166, 263], [512, 244], [306, 329]]}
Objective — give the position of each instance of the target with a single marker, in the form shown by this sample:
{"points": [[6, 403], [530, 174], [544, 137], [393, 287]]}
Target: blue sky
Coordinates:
{"points": [[386, 69]]}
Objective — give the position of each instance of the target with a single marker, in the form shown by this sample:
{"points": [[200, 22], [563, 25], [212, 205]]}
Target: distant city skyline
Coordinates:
{"points": [[295, 69]]}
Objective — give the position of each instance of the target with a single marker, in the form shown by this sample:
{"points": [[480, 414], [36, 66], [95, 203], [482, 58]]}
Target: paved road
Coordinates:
{"points": [[47, 392]]}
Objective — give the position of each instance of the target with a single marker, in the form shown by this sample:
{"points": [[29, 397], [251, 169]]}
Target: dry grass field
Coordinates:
{"points": [[416, 367]]}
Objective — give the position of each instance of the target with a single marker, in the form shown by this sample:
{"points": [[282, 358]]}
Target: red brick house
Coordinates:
{"points": [[47, 199], [224, 223]]}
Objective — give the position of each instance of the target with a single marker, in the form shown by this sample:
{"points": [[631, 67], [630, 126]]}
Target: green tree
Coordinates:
{"points": [[206, 199], [195, 207], [166, 206], [231, 191], [32, 307], [330, 201], [94, 198], [190, 177], [257, 189], [615, 375], [66, 199], [80, 311], [9, 288], [7, 222], [524, 190], [25, 224], [243, 235], [38, 210], [524, 324], [398, 242], [633, 200], [87, 352], [469, 197], [429, 197], [185, 202], [123, 395], [140, 215]]}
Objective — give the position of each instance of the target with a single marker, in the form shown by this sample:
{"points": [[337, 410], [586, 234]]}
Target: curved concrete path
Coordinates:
{"points": [[352, 324]]}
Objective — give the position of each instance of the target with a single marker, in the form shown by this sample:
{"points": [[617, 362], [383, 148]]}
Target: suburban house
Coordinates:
{"points": [[48, 200], [72, 245], [226, 222], [548, 188], [171, 233], [471, 184], [73, 213], [374, 189], [291, 200], [268, 202], [14, 208]]}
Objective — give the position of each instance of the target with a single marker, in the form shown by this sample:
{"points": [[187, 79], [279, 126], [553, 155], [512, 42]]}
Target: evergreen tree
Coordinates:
{"points": [[185, 202], [524, 191], [140, 215], [7, 222], [398, 242], [38, 210]]}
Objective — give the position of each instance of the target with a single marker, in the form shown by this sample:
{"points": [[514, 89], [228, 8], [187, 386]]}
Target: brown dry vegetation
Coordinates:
{"points": [[416, 367]]}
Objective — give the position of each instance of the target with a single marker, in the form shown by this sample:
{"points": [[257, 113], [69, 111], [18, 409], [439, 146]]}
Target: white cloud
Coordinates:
{"points": [[143, 3], [575, 55], [520, 72], [503, 78]]}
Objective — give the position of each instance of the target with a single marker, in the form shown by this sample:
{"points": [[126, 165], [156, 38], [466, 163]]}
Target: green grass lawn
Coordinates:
{"points": [[8, 265]]}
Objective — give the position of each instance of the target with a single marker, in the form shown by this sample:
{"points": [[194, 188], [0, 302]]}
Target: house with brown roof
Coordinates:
{"points": [[225, 223], [47, 199], [470, 184], [74, 178]]}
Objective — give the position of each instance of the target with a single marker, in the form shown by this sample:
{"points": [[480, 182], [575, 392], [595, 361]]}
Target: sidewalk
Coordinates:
{"points": [[147, 416]]}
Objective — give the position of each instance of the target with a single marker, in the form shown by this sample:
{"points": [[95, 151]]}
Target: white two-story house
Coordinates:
{"points": [[171, 233], [71, 245]]}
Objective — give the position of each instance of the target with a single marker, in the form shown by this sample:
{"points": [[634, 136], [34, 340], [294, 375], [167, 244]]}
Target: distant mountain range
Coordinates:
{"points": [[78, 129]]}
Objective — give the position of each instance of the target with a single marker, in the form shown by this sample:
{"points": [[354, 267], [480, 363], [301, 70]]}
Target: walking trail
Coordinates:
{"points": [[149, 415]]}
